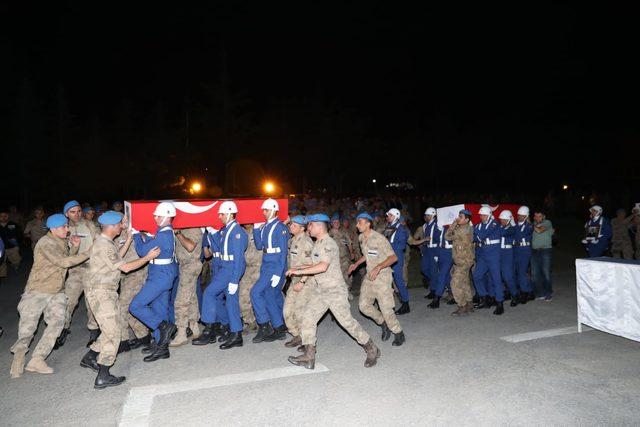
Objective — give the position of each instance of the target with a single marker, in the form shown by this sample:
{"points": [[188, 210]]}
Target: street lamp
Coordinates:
{"points": [[196, 187], [269, 187]]}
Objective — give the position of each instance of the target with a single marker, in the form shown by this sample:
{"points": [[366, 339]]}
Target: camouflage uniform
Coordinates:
{"points": [[621, 246], [376, 249], [343, 242], [44, 295], [253, 259], [329, 292], [299, 254], [101, 293], [130, 285], [36, 229], [186, 303], [463, 252], [74, 285]]}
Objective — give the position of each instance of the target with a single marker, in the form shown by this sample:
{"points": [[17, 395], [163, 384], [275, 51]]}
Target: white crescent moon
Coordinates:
{"points": [[192, 209]]}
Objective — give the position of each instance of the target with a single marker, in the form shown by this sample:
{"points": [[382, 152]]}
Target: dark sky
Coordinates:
{"points": [[319, 94]]}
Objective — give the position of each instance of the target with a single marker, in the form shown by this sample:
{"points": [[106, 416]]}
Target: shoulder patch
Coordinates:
{"points": [[238, 236]]}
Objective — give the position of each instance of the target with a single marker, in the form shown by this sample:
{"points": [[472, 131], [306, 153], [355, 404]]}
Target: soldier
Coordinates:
{"points": [[507, 268], [597, 233], [185, 301], [460, 234], [345, 249], [444, 259], [212, 250], [487, 235], [426, 237], [379, 222], [10, 234], [233, 244], [151, 304], [266, 296], [74, 286], [44, 295], [101, 292], [621, 246], [328, 292], [377, 283], [522, 254], [36, 228], [300, 249], [253, 259], [89, 213], [133, 332], [397, 235]]}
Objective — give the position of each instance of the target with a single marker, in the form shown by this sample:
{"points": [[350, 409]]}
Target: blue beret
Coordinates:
{"points": [[69, 205], [56, 220], [299, 219], [466, 212], [335, 217], [87, 209], [365, 215], [319, 217], [110, 218]]}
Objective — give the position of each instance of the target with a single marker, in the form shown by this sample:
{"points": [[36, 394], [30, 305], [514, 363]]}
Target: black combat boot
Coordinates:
{"points": [[93, 336], [206, 337], [105, 379], [150, 347], [404, 308], [264, 330], [431, 295], [124, 347], [451, 301], [507, 295], [386, 332], [90, 360], [167, 332], [499, 308], [515, 300], [435, 303], [161, 352], [398, 339], [279, 333], [523, 298], [61, 339], [234, 340], [223, 333], [482, 303]]}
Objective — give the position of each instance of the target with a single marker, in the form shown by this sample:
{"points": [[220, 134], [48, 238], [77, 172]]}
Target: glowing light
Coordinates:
{"points": [[196, 187], [374, 180], [565, 187], [269, 187]]}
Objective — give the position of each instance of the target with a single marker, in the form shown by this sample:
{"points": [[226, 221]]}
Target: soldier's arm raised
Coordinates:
{"points": [[134, 265]]}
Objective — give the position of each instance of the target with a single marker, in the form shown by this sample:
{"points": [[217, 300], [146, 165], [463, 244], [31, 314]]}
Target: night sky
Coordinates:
{"points": [[108, 100]]}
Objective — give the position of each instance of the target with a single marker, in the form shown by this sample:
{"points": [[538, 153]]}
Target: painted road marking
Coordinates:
{"points": [[137, 407], [547, 333]]}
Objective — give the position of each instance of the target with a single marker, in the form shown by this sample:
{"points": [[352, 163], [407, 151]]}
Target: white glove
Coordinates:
{"points": [[584, 241], [233, 288], [258, 225], [275, 280], [212, 230], [435, 258]]}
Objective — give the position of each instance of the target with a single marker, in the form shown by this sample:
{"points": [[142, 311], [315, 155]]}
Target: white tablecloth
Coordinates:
{"points": [[608, 291]]}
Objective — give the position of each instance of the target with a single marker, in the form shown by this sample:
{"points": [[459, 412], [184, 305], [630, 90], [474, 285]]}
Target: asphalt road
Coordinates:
{"points": [[451, 371]]}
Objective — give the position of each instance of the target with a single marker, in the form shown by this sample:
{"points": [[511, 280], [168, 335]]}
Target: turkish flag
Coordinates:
{"points": [[447, 214], [197, 213]]}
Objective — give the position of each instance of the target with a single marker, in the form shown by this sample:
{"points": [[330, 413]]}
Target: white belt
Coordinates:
{"points": [[162, 261], [506, 246], [227, 257], [432, 245], [491, 242], [216, 254], [524, 244], [272, 251], [447, 246]]}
